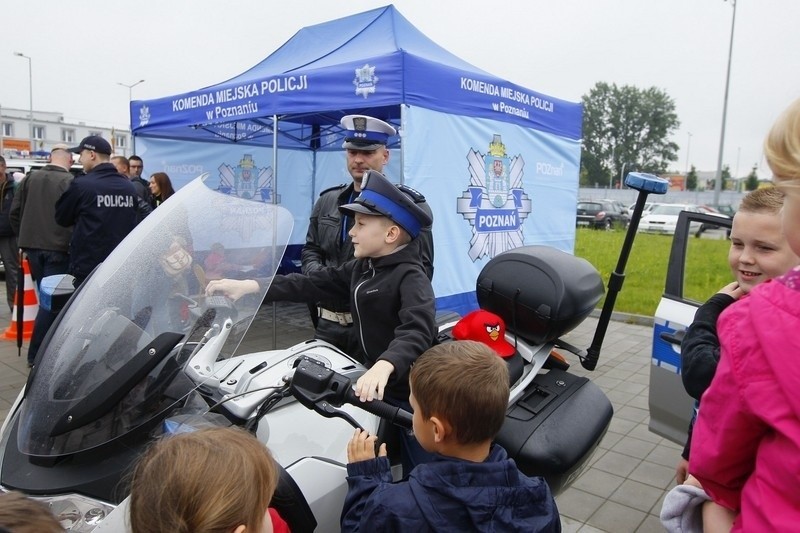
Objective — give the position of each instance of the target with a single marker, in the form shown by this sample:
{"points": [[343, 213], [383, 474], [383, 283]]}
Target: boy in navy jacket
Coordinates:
{"points": [[459, 393]]}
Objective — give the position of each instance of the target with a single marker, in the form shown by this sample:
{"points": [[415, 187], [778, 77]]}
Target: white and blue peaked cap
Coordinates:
{"points": [[365, 133]]}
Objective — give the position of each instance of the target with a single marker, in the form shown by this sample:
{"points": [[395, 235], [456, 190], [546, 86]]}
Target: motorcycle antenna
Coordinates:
{"points": [[646, 184]]}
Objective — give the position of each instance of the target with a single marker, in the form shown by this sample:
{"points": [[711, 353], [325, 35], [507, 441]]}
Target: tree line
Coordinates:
{"points": [[626, 129]]}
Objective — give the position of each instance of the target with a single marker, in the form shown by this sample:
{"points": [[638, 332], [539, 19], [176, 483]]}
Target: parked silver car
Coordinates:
{"points": [[663, 218]]}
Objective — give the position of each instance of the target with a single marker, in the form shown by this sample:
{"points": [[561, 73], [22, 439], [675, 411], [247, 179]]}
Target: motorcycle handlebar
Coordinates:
{"points": [[318, 387], [395, 415]]}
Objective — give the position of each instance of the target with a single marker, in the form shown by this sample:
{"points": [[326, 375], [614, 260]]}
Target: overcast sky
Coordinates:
{"points": [[81, 50]]}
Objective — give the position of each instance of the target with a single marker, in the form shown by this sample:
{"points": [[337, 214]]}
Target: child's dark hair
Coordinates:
{"points": [[466, 384]]}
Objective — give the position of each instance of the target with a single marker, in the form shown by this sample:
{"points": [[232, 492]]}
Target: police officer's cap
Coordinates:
{"points": [[365, 133], [379, 197], [95, 143]]}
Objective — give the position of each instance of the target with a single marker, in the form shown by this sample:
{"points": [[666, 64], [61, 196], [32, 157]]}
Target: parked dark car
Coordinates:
{"points": [[602, 214], [722, 211], [725, 209]]}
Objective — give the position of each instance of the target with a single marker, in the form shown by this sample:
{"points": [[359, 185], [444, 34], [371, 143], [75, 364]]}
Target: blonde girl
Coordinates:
{"points": [[212, 480]]}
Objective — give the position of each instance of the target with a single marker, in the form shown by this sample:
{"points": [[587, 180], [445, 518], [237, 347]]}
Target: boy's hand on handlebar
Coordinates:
{"points": [[362, 447], [232, 288], [372, 383]]}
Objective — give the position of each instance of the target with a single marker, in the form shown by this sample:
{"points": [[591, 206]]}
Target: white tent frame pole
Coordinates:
{"points": [[274, 202], [402, 143]]}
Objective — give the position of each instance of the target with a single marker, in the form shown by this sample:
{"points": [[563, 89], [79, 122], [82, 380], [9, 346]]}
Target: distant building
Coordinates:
{"points": [[705, 179], [49, 128], [677, 182]]}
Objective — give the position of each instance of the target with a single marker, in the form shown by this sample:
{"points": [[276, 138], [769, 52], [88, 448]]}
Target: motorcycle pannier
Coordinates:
{"points": [[554, 428], [540, 292]]}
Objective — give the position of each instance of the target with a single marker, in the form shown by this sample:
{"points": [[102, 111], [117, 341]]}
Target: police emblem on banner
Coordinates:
{"points": [[365, 80], [495, 203], [246, 180], [144, 115]]}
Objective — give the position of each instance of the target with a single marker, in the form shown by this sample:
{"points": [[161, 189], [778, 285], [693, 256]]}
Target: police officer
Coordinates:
{"points": [[327, 240], [100, 205]]}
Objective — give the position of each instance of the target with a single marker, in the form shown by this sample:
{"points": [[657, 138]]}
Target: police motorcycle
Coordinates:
{"points": [[139, 351]]}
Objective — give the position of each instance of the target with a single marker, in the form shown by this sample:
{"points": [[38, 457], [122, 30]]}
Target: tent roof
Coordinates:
{"points": [[374, 33], [369, 63]]}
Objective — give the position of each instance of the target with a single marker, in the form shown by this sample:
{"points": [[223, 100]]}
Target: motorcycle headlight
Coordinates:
{"points": [[77, 513]]}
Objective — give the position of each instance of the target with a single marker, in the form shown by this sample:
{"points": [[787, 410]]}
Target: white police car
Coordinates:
{"points": [[670, 405], [26, 166]]}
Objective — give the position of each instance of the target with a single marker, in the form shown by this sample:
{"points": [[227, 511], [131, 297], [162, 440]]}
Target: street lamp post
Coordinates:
{"points": [[611, 174], [718, 179], [30, 97], [622, 174], [688, 150], [130, 99]]}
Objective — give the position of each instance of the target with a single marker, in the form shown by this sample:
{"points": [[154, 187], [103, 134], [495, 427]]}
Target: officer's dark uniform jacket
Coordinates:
{"points": [[392, 302], [324, 244], [143, 189], [102, 207], [145, 204], [33, 210]]}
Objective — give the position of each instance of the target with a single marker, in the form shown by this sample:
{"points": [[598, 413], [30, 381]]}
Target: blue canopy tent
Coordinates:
{"points": [[465, 138]]}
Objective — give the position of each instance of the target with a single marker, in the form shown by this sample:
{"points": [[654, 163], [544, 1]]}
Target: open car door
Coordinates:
{"points": [[698, 268]]}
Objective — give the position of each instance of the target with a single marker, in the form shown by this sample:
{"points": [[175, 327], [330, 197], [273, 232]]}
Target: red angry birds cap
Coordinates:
{"points": [[485, 327]]}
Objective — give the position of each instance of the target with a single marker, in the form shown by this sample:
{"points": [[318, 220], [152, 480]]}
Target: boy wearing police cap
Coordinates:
{"points": [[328, 242], [389, 292]]}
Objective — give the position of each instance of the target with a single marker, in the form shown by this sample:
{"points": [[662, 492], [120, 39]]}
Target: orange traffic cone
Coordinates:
{"points": [[31, 307]]}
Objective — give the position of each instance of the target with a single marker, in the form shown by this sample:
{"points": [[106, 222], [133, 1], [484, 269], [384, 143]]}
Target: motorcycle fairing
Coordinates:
{"points": [[112, 336]]}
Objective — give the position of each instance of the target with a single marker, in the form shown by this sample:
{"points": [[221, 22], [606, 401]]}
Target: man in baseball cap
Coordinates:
{"points": [[101, 205]]}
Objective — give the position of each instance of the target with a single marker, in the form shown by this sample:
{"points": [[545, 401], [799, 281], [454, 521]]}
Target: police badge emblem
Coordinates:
{"points": [[365, 80], [144, 115], [246, 180], [494, 203], [496, 161]]}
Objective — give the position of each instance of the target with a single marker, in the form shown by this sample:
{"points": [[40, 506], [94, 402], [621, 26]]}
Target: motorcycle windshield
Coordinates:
{"points": [[114, 361]]}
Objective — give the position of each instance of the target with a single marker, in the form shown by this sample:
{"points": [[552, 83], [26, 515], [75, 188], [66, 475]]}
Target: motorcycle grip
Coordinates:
{"points": [[395, 415]]}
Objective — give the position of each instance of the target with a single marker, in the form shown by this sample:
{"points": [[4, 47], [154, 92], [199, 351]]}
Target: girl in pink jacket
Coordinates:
{"points": [[746, 444]]}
